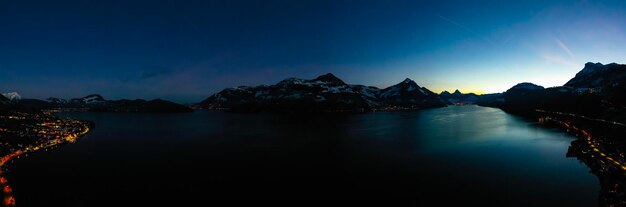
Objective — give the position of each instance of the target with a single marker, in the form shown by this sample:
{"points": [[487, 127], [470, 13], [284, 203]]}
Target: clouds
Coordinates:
{"points": [[564, 47], [459, 25], [191, 51]]}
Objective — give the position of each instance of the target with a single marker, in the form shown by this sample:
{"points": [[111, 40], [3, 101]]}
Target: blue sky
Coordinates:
{"points": [[185, 50]]}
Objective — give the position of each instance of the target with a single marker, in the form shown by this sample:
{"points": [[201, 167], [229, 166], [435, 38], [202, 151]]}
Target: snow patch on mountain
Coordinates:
{"points": [[90, 99], [412, 88], [13, 96], [391, 91], [329, 89], [422, 91]]}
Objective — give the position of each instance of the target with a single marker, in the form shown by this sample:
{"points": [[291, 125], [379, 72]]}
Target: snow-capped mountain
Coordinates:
{"points": [[406, 86], [408, 94], [13, 96], [4, 101], [97, 103], [93, 99], [324, 93], [89, 100], [329, 79]]}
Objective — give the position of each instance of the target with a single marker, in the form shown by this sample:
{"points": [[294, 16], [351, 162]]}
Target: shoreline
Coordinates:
{"points": [[33, 186], [590, 142], [599, 148], [8, 200]]}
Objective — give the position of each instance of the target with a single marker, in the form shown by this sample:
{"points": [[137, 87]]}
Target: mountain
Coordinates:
{"points": [[5, 100], [97, 103], [608, 81], [56, 101], [6, 103], [525, 99], [140, 105], [159, 105], [89, 100], [14, 96], [597, 90], [459, 98], [526, 86], [408, 94], [13, 101], [34, 104], [329, 79], [597, 75], [324, 93], [490, 99]]}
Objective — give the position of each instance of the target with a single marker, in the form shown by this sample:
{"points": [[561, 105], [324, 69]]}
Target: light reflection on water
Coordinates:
{"points": [[470, 154]]}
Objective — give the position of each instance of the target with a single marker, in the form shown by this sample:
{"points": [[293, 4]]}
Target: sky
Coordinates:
{"points": [[185, 51]]}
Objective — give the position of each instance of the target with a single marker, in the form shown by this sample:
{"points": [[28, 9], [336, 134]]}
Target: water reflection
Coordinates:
{"points": [[612, 182], [470, 154], [598, 146]]}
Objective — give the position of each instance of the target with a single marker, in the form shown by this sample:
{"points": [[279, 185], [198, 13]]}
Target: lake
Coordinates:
{"points": [[451, 156]]}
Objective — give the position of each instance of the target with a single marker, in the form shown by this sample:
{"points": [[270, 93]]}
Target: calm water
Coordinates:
{"points": [[466, 154]]}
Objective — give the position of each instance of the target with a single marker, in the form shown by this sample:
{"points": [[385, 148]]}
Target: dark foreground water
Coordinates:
{"points": [[450, 156]]}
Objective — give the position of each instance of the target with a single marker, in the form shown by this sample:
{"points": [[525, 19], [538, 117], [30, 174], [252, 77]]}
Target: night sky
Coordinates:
{"points": [[185, 51]]}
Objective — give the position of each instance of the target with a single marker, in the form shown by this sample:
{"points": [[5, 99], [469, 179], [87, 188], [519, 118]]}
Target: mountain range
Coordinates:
{"points": [[93, 102], [325, 93], [597, 90], [459, 98]]}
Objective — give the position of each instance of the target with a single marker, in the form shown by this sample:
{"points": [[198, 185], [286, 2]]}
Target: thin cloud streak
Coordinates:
{"points": [[465, 28], [459, 25], [560, 60], [564, 47]]}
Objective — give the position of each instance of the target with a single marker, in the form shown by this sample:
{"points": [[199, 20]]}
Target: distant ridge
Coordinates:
{"points": [[459, 98], [598, 90], [97, 103]]}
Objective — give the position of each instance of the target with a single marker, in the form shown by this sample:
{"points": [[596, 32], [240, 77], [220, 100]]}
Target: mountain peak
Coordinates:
{"points": [[13, 96], [93, 98], [330, 78], [457, 92], [598, 75], [408, 82], [591, 68], [407, 85], [527, 85], [592, 64], [444, 93]]}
